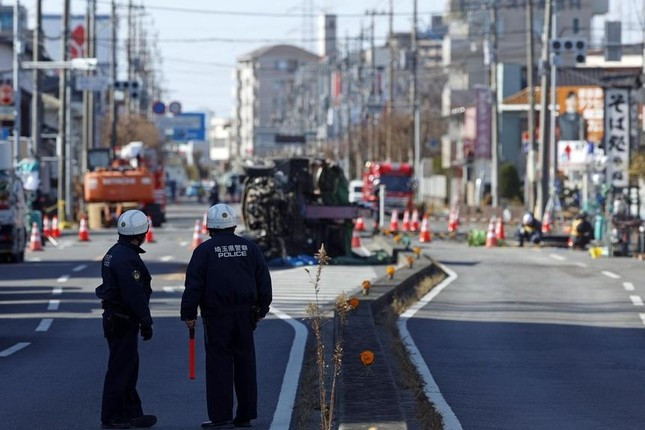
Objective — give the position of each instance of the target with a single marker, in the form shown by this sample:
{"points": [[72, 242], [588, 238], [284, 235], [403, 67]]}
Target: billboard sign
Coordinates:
{"points": [[617, 136], [483, 105], [185, 126]]}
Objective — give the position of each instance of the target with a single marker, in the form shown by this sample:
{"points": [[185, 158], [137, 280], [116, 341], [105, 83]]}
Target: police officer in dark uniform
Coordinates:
{"points": [[229, 280], [125, 295]]}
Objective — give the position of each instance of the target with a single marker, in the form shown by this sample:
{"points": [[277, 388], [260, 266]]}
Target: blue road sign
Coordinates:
{"points": [[159, 108], [185, 126]]}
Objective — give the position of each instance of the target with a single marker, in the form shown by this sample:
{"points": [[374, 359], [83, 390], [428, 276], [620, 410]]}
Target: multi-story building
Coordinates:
{"points": [[264, 89]]}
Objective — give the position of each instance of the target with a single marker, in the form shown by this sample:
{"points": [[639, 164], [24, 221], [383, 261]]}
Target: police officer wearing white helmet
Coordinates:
{"points": [[228, 279], [125, 294]]}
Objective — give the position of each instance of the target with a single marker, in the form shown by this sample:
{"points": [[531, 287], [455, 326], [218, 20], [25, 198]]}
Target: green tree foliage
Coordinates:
{"points": [[509, 182]]}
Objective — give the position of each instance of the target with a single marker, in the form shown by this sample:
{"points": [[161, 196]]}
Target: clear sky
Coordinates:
{"points": [[199, 72]]}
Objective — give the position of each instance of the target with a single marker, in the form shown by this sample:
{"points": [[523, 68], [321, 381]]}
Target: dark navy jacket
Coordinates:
{"points": [[225, 273], [126, 282]]}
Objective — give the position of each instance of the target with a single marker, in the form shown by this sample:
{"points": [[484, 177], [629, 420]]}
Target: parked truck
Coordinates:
{"points": [[398, 179], [13, 209]]}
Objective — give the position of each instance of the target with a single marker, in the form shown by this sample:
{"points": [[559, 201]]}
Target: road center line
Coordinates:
{"points": [[44, 325], [57, 290], [79, 268], [17, 347], [557, 257], [628, 286], [610, 274], [636, 300], [579, 264], [53, 305], [166, 258], [63, 278]]}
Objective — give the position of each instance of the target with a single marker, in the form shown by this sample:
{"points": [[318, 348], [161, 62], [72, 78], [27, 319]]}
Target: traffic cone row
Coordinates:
{"points": [[394, 221], [491, 236], [406, 221], [414, 222], [425, 235], [55, 228], [150, 235], [204, 224], [359, 225], [197, 236], [453, 221], [47, 227], [83, 231], [35, 242], [499, 229], [547, 224]]}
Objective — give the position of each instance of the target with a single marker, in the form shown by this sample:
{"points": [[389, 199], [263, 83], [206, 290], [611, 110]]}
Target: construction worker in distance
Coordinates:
{"points": [[530, 230], [125, 294], [228, 279]]}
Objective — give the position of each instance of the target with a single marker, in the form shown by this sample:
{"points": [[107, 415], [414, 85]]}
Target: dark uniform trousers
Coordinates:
{"points": [[230, 356], [120, 398]]}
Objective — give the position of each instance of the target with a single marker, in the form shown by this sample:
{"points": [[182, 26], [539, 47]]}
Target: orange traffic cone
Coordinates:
{"points": [[360, 224], [83, 231], [356, 239], [47, 227], [150, 235], [35, 243], [197, 237], [414, 222], [425, 235], [453, 221], [204, 224], [501, 235], [547, 224], [55, 227], [394, 221], [406, 220], [491, 237]]}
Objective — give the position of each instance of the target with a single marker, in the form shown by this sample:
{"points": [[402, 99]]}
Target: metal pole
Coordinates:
{"points": [[347, 102], [17, 94], [530, 158], [63, 173], [36, 100], [554, 102], [85, 133], [390, 90], [415, 102], [543, 189], [374, 141], [381, 206], [494, 174], [113, 77], [92, 95]]}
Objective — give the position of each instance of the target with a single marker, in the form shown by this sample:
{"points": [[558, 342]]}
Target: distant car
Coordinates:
{"points": [[356, 191]]}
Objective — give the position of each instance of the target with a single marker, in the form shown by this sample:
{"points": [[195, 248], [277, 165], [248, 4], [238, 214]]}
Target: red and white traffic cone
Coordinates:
{"points": [[55, 228], [197, 236], [47, 227], [394, 221], [547, 223], [150, 235], [356, 239], [453, 221], [501, 234], [84, 231], [491, 236], [414, 222], [359, 225], [425, 235], [204, 224], [35, 242], [406, 221]]}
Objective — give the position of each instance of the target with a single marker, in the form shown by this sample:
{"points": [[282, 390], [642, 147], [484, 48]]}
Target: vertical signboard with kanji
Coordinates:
{"points": [[483, 104], [617, 134]]}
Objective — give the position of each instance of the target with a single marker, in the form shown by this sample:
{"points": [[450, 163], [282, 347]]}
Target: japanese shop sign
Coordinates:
{"points": [[617, 136]]}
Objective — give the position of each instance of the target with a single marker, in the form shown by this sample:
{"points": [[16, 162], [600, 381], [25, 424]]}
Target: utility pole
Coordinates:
{"points": [[390, 89], [554, 102], [37, 100], [347, 99], [530, 157], [416, 150], [543, 189], [373, 143], [114, 108], [494, 173], [17, 93], [85, 136], [61, 143], [128, 99]]}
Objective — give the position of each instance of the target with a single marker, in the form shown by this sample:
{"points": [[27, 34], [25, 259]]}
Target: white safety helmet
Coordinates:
{"points": [[528, 218], [221, 216], [132, 223]]}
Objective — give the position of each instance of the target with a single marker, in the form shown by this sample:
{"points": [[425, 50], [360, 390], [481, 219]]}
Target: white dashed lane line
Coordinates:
{"points": [[579, 264], [628, 286], [557, 257], [611, 275], [173, 289], [63, 278], [182, 244], [636, 300], [166, 258], [57, 290], [79, 268], [44, 324], [53, 305], [17, 347]]}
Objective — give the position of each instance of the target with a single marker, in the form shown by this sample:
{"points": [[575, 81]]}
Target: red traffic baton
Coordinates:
{"points": [[191, 352]]}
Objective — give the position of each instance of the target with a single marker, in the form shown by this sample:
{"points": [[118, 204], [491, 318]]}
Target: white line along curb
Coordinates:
{"points": [[430, 387], [287, 398]]}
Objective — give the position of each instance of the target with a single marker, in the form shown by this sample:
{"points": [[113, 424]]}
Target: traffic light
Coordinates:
{"points": [[131, 87], [569, 52]]}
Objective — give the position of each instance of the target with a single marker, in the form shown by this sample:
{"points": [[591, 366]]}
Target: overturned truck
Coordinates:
{"points": [[292, 206]]}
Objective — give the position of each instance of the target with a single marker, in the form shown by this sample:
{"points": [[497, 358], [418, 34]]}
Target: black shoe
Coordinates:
{"points": [[143, 421], [116, 425], [218, 425], [242, 423]]}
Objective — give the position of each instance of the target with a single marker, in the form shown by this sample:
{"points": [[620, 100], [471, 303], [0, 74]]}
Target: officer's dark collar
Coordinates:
{"points": [[125, 242]]}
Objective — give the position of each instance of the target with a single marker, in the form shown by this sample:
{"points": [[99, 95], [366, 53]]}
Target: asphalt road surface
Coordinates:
{"points": [[536, 339]]}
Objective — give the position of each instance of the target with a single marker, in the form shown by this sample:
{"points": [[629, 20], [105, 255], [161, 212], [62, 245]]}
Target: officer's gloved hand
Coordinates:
{"points": [[146, 332]]}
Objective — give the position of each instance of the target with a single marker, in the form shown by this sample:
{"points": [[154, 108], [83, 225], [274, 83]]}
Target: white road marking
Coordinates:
{"points": [[57, 290], [431, 388], [184, 243], [34, 260], [287, 398], [53, 305], [610, 274], [44, 325], [642, 318], [636, 300], [173, 289], [17, 347], [579, 264], [166, 258], [63, 278], [79, 268], [557, 257], [628, 286]]}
